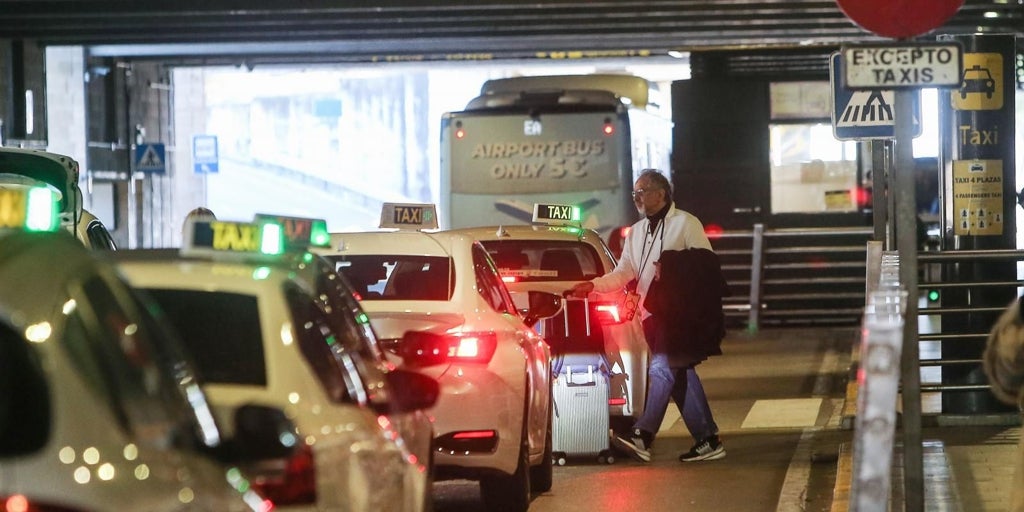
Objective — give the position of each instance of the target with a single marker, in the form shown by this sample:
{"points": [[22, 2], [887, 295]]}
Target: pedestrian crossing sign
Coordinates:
{"points": [[864, 114], [151, 158]]}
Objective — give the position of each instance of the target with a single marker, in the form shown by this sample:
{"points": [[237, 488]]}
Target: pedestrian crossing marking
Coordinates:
{"points": [[868, 108], [792, 412]]}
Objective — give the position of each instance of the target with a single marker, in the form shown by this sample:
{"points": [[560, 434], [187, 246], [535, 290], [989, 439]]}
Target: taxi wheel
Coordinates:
{"points": [[509, 493], [542, 475]]}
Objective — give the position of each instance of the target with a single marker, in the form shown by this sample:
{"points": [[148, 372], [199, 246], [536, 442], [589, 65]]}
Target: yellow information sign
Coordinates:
{"points": [[838, 200], [978, 197], [981, 84]]}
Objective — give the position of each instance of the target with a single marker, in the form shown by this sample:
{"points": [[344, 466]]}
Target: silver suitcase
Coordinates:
{"points": [[580, 414]]}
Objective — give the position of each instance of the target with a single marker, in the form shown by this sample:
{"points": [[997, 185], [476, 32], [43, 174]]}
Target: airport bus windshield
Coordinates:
{"points": [[578, 139]]}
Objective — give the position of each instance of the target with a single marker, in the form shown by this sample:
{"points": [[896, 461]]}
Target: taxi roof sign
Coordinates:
{"points": [[224, 238], [29, 209], [557, 213], [300, 232], [408, 216]]}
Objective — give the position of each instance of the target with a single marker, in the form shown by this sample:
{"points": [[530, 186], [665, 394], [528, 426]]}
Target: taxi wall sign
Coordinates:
{"points": [[978, 197], [894, 66]]}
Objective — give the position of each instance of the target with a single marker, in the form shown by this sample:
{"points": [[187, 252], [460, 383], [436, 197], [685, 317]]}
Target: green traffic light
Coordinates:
{"points": [[933, 295]]}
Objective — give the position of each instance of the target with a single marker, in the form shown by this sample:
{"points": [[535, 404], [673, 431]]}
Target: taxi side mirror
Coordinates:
{"points": [[542, 305], [262, 432], [412, 391], [25, 415]]}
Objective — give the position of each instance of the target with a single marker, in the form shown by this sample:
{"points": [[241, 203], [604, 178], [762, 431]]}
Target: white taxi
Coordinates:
{"points": [[259, 333], [341, 304], [552, 256], [493, 417], [21, 167], [99, 409]]}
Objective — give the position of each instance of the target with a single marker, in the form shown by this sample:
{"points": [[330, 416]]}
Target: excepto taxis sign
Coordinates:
{"points": [[902, 65]]}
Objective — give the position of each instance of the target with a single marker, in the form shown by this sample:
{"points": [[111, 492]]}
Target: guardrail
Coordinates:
{"points": [[931, 265], [794, 275]]}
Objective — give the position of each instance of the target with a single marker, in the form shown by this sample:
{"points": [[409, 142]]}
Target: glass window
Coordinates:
{"points": [[489, 284], [358, 342], [812, 171], [221, 332], [398, 276], [545, 260], [317, 342], [115, 352]]}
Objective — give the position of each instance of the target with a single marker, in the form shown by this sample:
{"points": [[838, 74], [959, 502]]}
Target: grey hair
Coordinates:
{"points": [[659, 180]]}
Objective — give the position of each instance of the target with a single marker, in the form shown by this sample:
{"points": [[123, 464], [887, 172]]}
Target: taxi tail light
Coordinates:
{"points": [[607, 313], [21, 503], [614, 402], [471, 347], [420, 348], [297, 485]]}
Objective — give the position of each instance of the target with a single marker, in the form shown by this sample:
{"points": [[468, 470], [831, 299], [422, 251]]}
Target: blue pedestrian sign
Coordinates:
{"points": [[205, 157], [151, 158], [864, 114]]}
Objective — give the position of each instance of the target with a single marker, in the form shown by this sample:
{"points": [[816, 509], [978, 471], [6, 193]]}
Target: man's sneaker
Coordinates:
{"points": [[708, 449], [636, 444]]}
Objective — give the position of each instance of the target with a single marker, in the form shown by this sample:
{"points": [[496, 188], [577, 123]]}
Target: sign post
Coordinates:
{"points": [[904, 66]]}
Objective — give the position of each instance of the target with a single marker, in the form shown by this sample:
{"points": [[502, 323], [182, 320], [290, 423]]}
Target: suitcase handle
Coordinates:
{"points": [[571, 383], [586, 313]]}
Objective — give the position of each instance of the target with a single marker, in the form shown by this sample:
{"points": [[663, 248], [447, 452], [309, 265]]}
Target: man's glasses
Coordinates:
{"points": [[640, 192]]}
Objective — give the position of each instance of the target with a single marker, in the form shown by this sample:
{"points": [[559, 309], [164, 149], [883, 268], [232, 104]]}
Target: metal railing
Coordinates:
{"points": [[794, 275], [932, 266]]}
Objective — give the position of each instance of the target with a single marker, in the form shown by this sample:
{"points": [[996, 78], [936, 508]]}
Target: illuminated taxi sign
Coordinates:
{"points": [[300, 232], [218, 237], [557, 213], [408, 216], [30, 209]]}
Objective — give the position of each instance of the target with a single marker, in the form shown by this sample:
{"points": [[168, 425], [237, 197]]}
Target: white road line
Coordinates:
{"points": [[792, 496]]}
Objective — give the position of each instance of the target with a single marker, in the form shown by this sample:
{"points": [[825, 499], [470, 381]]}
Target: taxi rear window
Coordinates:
{"points": [[398, 276], [220, 330], [545, 260]]}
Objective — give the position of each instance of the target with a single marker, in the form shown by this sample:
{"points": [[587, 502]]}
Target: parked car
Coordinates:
{"points": [[440, 294], [100, 410], [259, 332], [33, 168], [552, 256]]}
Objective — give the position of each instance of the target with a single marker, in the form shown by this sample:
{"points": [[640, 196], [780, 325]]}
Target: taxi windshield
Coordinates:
{"points": [[545, 260], [398, 276]]}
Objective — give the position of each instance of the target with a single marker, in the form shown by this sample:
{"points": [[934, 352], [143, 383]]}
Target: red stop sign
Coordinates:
{"points": [[899, 18]]}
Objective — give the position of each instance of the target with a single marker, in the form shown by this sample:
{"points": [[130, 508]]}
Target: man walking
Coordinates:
{"points": [[663, 227]]}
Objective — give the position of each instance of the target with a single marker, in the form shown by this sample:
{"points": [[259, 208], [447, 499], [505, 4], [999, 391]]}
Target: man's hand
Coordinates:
{"points": [[579, 290]]}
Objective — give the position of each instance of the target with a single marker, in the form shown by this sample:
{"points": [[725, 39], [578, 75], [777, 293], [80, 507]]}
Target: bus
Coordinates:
{"points": [[571, 139]]}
